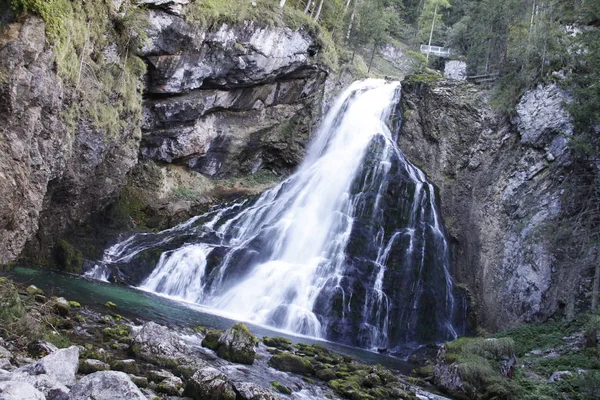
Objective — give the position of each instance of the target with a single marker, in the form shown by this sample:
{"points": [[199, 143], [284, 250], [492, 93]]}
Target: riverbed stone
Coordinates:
{"points": [[251, 391], [90, 366], [291, 363], [237, 344], [159, 345], [159, 375], [170, 386], [41, 348], [106, 385], [128, 366], [12, 390], [61, 365], [209, 384], [62, 307]]}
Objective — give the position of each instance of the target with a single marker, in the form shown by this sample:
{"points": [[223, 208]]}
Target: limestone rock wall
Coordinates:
{"points": [[501, 193], [219, 103], [53, 175]]}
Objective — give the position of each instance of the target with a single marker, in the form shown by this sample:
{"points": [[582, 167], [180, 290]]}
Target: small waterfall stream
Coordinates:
{"points": [[349, 248]]}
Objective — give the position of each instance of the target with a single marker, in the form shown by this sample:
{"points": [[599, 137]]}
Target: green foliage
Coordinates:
{"points": [[185, 193], [433, 12], [11, 305], [67, 258], [281, 388], [541, 335], [107, 90], [58, 339]]}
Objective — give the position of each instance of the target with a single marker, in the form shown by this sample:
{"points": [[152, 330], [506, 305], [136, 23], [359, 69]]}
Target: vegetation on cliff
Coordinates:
{"points": [[94, 53]]}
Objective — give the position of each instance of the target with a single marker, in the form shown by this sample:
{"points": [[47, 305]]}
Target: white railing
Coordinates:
{"points": [[436, 50]]}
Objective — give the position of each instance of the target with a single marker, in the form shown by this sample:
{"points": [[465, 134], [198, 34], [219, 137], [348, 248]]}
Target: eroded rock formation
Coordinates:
{"points": [[501, 186]]}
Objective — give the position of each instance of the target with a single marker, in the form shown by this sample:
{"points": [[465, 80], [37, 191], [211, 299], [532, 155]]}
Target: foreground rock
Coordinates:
{"points": [[18, 391], [236, 344], [61, 365], [209, 383], [477, 368], [106, 385], [159, 345]]}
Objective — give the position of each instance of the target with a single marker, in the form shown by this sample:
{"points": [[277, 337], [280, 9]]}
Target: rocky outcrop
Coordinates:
{"points": [[55, 172], [209, 383], [106, 385], [157, 344], [220, 103], [500, 189], [229, 100]]}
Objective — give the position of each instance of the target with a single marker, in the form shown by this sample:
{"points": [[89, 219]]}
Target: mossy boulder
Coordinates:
{"points": [[209, 383], [211, 340], [281, 388], [288, 362], [278, 342], [61, 307], [477, 368], [89, 366], [127, 366], [34, 290], [170, 386], [237, 344], [118, 331], [327, 374], [67, 258]]}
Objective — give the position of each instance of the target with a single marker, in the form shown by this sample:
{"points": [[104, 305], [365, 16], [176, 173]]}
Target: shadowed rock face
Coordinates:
{"points": [[222, 102], [217, 99], [500, 191], [51, 177]]}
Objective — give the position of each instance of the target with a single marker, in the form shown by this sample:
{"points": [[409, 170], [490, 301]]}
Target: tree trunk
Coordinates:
{"points": [[372, 57], [596, 282], [308, 3], [319, 10], [346, 7], [351, 20], [282, 3]]}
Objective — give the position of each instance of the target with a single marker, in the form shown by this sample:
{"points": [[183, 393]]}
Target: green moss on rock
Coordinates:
{"points": [[278, 342], [281, 388], [67, 258], [287, 362], [211, 340]]}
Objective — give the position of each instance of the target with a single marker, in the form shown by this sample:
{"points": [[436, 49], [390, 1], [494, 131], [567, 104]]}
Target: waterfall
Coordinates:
{"points": [[349, 248]]}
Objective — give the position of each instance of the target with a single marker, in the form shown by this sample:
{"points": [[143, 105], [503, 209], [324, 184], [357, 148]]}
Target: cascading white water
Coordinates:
{"points": [[292, 259]]}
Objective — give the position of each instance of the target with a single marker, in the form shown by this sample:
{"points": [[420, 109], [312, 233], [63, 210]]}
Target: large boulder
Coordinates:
{"points": [[288, 362], [209, 384], [12, 390], [62, 365], [237, 344], [106, 385], [159, 345], [251, 391]]}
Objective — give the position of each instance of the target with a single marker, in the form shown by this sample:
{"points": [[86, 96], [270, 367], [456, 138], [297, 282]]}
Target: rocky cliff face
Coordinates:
{"points": [[53, 174], [226, 102], [501, 186], [220, 102]]}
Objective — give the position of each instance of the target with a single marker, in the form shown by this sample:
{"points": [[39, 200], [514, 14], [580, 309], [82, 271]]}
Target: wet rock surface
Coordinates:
{"points": [[500, 191], [106, 385], [219, 102], [80, 371]]}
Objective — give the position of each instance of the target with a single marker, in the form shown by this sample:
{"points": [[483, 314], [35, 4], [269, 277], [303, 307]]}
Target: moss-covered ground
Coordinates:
{"points": [[552, 362]]}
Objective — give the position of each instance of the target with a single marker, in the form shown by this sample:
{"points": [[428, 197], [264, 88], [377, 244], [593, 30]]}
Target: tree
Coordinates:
{"points": [[431, 22]]}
